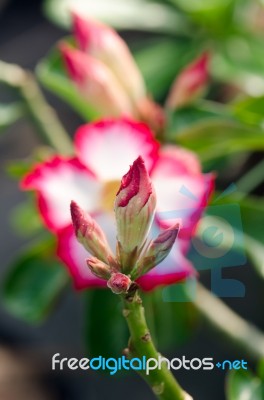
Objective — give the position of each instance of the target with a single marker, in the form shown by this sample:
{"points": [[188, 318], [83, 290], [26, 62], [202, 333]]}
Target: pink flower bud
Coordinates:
{"points": [[190, 84], [89, 234], [119, 283], [157, 251], [104, 44], [96, 83], [134, 208], [99, 268]]}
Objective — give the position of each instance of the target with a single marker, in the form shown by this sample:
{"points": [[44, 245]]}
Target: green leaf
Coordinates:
{"points": [[129, 14], [243, 385], [214, 138], [186, 117], [9, 113], [25, 219], [210, 14], [51, 73], [106, 333], [34, 283], [249, 110], [19, 168], [260, 369], [239, 60]]}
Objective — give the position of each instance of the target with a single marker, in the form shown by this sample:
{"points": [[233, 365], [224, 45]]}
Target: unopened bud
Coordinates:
{"points": [[104, 44], [89, 234], [96, 83], [157, 251], [190, 84], [119, 283], [134, 208], [99, 268]]}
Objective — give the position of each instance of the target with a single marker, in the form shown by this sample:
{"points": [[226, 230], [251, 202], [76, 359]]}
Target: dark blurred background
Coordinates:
{"points": [[25, 350]]}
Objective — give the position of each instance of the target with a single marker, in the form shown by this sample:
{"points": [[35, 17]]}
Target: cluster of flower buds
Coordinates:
{"points": [[135, 206], [106, 75]]}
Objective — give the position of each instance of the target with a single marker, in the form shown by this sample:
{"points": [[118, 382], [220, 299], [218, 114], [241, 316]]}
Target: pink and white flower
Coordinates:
{"points": [[104, 150]]}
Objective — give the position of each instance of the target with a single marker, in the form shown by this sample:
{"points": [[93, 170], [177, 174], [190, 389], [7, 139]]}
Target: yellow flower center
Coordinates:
{"points": [[109, 192]]}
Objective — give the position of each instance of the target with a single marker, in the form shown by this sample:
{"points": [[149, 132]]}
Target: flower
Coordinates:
{"points": [[107, 77], [104, 150], [190, 83]]}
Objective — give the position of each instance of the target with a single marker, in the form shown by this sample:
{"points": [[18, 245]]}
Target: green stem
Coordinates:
{"points": [[242, 335], [40, 113], [250, 180], [162, 381]]}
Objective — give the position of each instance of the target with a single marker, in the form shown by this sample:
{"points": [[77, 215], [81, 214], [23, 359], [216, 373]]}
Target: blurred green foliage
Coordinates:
{"points": [[243, 385], [35, 282]]}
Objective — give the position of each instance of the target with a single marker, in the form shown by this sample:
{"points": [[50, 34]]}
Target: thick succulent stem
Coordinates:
{"points": [[161, 381]]}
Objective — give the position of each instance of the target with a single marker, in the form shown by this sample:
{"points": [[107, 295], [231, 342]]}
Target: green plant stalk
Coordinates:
{"points": [[250, 180], [240, 334], [161, 381], [41, 114]]}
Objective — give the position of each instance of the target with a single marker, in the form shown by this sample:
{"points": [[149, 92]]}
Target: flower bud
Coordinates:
{"points": [[104, 44], [89, 234], [157, 251], [190, 84], [96, 83], [119, 283], [134, 208], [99, 268]]}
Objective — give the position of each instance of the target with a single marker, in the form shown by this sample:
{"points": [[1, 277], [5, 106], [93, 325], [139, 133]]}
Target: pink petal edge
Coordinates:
{"points": [[37, 180]]}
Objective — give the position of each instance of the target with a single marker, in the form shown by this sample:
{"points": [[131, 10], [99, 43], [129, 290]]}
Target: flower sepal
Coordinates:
{"points": [[157, 250]]}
